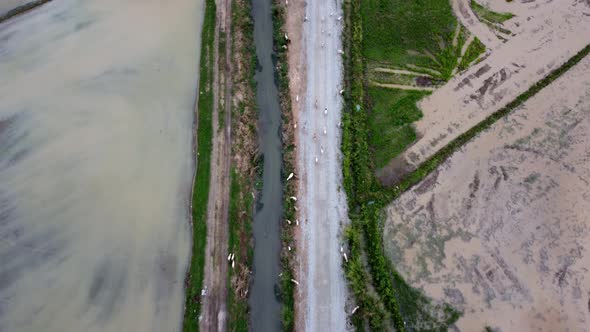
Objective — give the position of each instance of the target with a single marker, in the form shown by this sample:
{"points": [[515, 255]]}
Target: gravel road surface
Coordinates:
{"points": [[322, 201]]}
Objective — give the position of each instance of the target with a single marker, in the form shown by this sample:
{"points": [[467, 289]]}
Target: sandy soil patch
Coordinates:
{"points": [[549, 40], [501, 229]]}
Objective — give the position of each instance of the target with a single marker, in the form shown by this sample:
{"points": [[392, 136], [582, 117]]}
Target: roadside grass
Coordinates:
{"points": [[486, 14], [392, 113], [286, 286], [473, 52], [200, 194]]}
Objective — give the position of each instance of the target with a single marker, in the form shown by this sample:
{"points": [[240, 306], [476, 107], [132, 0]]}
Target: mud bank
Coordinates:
{"points": [[96, 115]]}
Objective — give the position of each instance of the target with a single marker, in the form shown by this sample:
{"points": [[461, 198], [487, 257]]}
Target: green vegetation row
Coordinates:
{"points": [[204, 131], [241, 204], [287, 288], [474, 50], [22, 9], [490, 16]]}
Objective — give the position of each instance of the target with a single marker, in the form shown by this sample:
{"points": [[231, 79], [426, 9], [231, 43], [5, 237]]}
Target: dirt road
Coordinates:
{"points": [[322, 206], [557, 32], [500, 230], [467, 17], [214, 306]]}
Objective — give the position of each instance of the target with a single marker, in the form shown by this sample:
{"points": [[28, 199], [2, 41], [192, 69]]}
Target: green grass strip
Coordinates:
{"points": [[241, 201], [287, 288], [22, 9], [474, 50], [194, 279], [238, 318], [488, 15]]}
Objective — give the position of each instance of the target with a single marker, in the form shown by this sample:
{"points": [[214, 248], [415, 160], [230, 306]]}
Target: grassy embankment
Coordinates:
{"points": [[287, 288], [407, 308], [204, 131], [245, 163]]}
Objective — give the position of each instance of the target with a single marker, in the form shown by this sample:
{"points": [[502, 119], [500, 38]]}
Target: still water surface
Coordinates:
{"points": [[96, 115]]}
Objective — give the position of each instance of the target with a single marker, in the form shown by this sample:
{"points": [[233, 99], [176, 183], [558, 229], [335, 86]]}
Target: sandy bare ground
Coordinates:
{"points": [[467, 17], [501, 230], [322, 202], [214, 306], [548, 40]]}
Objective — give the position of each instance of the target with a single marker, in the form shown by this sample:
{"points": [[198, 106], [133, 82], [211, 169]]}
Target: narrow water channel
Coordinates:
{"points": [[264, 306]]}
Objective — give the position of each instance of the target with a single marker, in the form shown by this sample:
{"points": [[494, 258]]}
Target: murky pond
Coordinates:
{"points": [[96, 115]]}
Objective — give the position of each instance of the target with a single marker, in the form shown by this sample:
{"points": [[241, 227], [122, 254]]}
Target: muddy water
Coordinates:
{"points": [[264, 306], [96, 113]]}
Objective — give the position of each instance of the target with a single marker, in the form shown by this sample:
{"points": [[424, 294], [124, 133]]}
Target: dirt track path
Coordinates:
{"points": [[214, 306], [468, 18], [322, 203]]}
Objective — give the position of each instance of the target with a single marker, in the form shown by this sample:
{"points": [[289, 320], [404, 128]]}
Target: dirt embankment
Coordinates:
{"points": [[214, 306], [500, 230], [295, 16]]}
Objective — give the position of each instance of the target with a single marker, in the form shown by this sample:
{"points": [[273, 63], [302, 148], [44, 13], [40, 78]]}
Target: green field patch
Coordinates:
{"points": [[473, 52], [392, 113], [488, 15], [402, 32]]}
